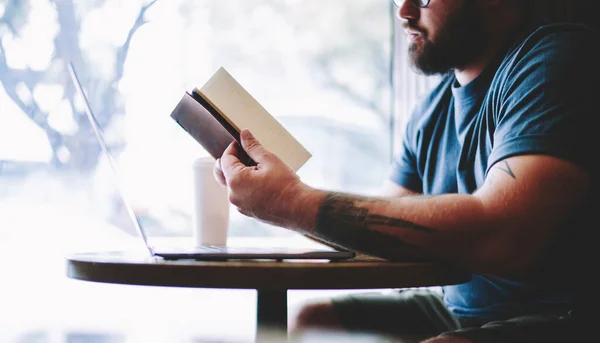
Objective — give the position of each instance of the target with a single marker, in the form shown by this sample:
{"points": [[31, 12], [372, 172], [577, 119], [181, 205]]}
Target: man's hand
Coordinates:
{"points": [[268, 191]]}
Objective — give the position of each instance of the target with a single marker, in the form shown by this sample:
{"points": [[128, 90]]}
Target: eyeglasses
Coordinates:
{"points": [[418, 3]]}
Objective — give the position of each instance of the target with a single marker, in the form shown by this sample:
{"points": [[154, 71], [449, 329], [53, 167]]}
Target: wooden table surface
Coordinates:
{"points": [[123, 268], [271, 279]]}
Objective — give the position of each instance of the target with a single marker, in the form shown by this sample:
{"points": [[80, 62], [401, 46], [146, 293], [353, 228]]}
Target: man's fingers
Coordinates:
{"points": [[230, 161], [232, 149], [218, 173], [252, 146]]}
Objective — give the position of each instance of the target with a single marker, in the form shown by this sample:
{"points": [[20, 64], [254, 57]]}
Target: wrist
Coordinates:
{"points": [[302, 208]]}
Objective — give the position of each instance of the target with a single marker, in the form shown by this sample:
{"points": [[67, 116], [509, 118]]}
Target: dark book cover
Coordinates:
{"points": [[214, 114], [207, 126]]}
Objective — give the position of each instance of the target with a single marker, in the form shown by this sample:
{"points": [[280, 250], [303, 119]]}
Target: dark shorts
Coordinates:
{"points": [[421, 313]]}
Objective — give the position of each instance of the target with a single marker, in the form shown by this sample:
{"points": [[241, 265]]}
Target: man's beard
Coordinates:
{"points": [[460, 40]]}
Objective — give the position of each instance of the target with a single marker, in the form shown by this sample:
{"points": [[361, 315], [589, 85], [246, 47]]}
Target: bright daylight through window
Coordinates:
{"points": [[321, 67]]}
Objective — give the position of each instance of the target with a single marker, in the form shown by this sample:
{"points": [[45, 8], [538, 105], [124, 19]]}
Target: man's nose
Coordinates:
{"points": [[408, 11]]}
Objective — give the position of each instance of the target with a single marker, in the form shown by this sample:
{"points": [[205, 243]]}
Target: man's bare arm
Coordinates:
{"points": [[388, 189], [499, 229]]}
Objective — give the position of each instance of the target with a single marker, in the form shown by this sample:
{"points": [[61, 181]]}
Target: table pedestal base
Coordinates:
{"points": [[271, 314]]}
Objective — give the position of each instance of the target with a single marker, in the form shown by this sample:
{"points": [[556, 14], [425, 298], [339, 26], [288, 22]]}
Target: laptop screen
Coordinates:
{"points": [[208, 253], [111, 161]]}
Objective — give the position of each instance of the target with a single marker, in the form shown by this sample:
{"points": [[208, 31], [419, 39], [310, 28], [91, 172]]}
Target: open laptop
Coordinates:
{"points": [[208, 252]]}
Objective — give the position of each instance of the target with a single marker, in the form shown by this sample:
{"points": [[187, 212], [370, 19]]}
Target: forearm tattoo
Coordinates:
{"points": [[341, 221]]}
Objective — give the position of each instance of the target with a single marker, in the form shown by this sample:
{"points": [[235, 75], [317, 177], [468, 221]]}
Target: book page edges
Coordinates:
{"points": [[217, 109], [248, 113]]}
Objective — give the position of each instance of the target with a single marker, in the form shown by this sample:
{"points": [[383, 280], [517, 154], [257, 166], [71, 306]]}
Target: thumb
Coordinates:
{"points": [[252, 146]]}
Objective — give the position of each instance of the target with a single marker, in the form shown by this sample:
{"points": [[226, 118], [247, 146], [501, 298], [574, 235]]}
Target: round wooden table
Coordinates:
{"points": [[270, 279]]}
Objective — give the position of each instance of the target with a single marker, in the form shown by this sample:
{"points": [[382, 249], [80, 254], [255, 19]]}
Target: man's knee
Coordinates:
{"points": [[320, 314]]}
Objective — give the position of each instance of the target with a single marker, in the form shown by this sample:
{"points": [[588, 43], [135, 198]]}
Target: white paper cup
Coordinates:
{"points": [[211, 205]]}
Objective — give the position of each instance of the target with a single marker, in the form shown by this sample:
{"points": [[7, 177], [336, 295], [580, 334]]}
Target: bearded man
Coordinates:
{"points": [[497, 173]]}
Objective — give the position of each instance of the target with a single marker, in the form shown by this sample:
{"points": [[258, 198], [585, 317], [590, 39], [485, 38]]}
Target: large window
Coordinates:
{"points": [[322, 67]]}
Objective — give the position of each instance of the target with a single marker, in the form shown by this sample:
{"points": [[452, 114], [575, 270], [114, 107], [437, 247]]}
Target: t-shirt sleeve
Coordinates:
{"points": [[404, 168], [546, 103]]}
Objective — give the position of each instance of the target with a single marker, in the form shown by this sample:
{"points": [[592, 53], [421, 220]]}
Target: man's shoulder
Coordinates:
{"points": [[556, 35], [565, 44], [558, 27]]}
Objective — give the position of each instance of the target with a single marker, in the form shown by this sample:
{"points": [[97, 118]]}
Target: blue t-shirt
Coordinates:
{"points": [[538, 97]]}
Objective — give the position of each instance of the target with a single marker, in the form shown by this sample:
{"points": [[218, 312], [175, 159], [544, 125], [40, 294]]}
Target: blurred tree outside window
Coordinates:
{"points": [[321, 67]]}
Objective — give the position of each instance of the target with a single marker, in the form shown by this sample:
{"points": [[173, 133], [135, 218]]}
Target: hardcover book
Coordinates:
{"points": [[215, 113]]}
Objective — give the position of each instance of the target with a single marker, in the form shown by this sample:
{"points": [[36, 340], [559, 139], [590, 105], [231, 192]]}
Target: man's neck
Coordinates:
{"points": [[470, 72], [497, 39]]}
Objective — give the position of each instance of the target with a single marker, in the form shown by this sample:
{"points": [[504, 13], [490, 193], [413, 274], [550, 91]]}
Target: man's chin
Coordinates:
{"points": [[414, 48], [415, 53], [426, 67]]}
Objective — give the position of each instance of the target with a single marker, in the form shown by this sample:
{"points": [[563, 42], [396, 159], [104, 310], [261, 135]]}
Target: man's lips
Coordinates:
{"points": [[412, 35]]}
